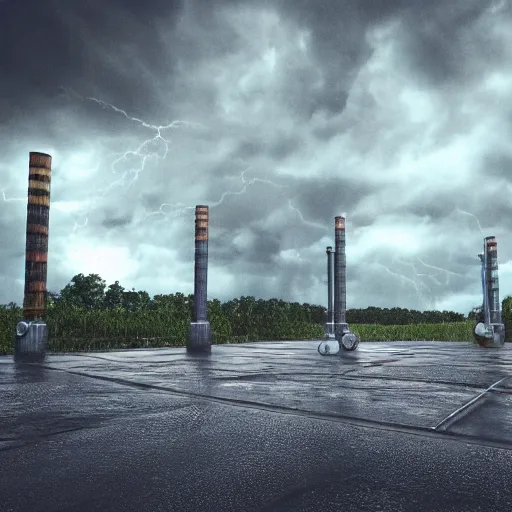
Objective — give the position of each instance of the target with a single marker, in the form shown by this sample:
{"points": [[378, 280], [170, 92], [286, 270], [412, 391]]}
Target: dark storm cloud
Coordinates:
{"points": [[322, 200], [114, 49], [80, 45], [438, 41], [443, 46]]}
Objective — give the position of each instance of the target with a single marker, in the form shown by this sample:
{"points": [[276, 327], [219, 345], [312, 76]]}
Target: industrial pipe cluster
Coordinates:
{"points": [[336, 327], [31, 333]]}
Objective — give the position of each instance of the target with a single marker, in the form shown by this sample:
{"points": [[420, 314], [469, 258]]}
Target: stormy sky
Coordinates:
{"points": [[279, 115]]}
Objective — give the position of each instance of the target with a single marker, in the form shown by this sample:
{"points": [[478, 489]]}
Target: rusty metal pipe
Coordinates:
{"points": [[36, 254]]}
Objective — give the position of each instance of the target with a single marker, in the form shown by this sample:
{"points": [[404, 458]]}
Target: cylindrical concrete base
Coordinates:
{"points": [[199, 337], [31, 338]]}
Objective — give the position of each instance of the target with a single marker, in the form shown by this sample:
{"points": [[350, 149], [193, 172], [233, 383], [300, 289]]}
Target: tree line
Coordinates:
{"points": [[91, 293], [87, 315]]}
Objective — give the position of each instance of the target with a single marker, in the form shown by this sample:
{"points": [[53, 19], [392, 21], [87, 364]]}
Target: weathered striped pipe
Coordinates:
{"points": [[201, 264], [340, 286], [36, 254], [199, 339]]}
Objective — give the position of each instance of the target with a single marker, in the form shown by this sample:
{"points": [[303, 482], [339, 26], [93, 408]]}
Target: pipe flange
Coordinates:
{"points": [[349, 341], [21, 328]]}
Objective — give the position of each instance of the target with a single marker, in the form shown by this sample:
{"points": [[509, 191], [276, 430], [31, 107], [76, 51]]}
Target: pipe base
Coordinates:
{"points": [[31, 338], [489, 335], [199, 337], [341, 338], [329, 347], [346, 339]]}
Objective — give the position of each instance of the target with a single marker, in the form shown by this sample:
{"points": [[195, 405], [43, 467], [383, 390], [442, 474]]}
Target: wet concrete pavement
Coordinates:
{"points": [[261, 426]]}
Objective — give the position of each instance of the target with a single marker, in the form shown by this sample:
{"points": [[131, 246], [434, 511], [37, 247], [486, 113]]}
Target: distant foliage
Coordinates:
{"points": [[88, 315], [401, 316], [10, 315], [506, 317]]}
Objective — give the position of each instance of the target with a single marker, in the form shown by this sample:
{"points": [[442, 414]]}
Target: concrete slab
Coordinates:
{"points": [[260, 426]]}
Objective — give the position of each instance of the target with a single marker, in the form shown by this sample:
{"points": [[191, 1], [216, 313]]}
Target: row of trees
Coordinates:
{"points": [[88, 315], [91, 293]]}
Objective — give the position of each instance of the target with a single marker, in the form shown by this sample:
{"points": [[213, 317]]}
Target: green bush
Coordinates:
{"points": [[506, 317], [453, 331]]}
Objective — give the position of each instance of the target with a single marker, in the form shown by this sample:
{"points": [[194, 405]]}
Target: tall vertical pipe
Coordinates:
{"points": [[489, 330], [340, 286], [32, 333], [201, 264], [329, 327], [492, 288], [483, 274], [340, 330], [36, 254], [199, 339]]}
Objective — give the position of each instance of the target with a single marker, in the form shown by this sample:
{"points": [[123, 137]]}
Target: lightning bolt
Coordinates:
{"points": [[446, 271], [180, 208], [402, 277], [86, 221], [419, 275], [11, 199], [415, 283], [474, 216], [416, 273], [304, 221], [143, 151], [155, 147], [158, 147], [246, 185]]}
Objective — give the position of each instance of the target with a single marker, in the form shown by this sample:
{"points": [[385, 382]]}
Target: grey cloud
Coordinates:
{"points": [[117, 222], [497, 166], [322, 200], [451, 45]]}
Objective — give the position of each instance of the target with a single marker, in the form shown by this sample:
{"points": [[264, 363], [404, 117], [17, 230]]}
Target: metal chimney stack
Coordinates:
{"points": [[329, 326], [32, 333], [492, 283], [199, 339], [491, 331], [340, 286]]}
